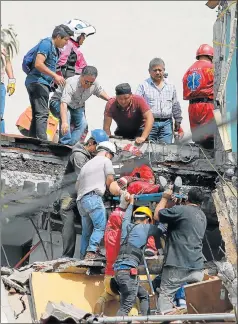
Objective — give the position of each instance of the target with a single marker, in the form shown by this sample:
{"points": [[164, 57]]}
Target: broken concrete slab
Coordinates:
{"points": [[6, 271], [21, 277], [7, 314], [11, 284]]}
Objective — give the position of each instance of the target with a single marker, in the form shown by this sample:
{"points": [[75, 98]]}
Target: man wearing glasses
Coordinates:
{"points": [[72, 103], [161, 96]]}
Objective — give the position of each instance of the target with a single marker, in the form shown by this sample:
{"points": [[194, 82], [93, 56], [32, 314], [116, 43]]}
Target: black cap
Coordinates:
{"points": [[123, 88]]}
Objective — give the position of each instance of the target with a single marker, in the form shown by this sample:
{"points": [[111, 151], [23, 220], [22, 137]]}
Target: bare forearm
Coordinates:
{"points": [[107, 125], [148, 127], [104, 96], [9, 70], [114, 189], [161, 205], [40, 66], [63, 112]]}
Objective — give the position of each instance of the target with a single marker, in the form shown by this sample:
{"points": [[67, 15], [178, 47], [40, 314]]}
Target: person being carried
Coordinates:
{"points": [[70, 101], [80, 155], [130, 112], [133, 240], [95, 176], [183, 261]]}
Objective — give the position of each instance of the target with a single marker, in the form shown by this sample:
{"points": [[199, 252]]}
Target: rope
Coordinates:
{"points": [[225, 10]]}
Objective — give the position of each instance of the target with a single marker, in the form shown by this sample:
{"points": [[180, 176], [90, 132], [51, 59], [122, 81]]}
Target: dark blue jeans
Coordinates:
{"points": [[162, 131], [2, 107]]}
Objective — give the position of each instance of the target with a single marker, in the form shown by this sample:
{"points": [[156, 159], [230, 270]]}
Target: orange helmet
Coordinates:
{"points": [[205, 49]]}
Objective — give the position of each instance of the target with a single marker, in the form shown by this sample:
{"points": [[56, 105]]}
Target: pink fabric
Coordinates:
{"points": [[64, 54]]}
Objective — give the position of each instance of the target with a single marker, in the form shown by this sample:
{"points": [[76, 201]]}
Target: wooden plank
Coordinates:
{"points": [[208, 296]]}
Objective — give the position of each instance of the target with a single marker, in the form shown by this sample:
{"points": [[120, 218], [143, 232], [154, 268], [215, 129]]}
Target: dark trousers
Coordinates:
{"points": [[129, 289], [68, 232], [39, 97]]}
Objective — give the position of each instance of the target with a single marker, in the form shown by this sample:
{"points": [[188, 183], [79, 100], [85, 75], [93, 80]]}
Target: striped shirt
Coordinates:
{"points": [[163, 102]]}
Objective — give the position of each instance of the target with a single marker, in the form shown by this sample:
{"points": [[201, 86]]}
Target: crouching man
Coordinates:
{"points": [[133, 240], [184, 261]]}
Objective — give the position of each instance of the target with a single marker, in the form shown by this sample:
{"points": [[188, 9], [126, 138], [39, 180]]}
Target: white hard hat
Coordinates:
{"points": [[107, 146], [80, 27]]}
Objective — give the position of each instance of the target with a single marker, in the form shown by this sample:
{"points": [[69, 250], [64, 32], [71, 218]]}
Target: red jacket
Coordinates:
{"points": [[112, 238], [198, 81]]}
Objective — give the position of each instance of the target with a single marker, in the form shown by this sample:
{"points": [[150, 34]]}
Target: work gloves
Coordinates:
{"points": [[11, 86], [176, 126]]}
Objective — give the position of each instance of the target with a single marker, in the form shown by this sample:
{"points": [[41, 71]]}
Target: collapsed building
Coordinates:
{"points": [[31, 173]]}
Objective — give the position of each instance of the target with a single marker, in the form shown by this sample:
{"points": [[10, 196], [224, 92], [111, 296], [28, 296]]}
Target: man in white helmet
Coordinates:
{"points": [[95, 176]]}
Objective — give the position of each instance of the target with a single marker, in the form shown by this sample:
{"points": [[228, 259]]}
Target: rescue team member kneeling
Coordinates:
{"points": [[133, 239], [95, 176]]}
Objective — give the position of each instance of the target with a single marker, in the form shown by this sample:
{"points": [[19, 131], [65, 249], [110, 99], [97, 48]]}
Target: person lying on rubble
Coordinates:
{"points": [[79, 156], [142, 181], [133, 240], [198, 82], [95, 176], [130, 112], [184, 261], [68, 103], [112, 238], [161, 96]]}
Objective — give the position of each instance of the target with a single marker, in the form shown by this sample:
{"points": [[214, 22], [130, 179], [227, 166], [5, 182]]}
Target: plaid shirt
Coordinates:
{"points": [[163, 102]]}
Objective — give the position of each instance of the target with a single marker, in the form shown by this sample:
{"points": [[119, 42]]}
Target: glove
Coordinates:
{"points": [[11, 86], [176, 126], [163, 227]]}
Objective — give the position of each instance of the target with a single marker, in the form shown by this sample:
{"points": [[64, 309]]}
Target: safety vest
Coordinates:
{"points": [[24, 122]]}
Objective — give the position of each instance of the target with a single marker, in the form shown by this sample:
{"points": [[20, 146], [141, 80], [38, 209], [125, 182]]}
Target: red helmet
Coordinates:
{"points": [[205, 49]]}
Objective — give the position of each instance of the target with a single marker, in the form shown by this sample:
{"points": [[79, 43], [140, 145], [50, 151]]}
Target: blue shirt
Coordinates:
{"points": [[137, 237], [163, 101], [46, 48]]}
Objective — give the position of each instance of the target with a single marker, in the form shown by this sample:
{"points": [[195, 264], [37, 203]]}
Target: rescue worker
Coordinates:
{"points": [[79, 156], [184, 261], [198, 84], [130, 112], [70, 101], [133, 240], [112, 245], [71, 60], [95, 176]]}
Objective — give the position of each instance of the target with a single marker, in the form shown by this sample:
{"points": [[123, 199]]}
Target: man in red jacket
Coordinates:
{"points": [[198, 89]]}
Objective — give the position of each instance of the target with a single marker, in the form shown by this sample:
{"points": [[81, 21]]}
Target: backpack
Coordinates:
{"points": [[28, 59]]}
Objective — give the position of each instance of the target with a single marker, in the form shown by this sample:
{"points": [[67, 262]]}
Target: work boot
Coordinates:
{"points": [[177, 185], [94, 256], [162, 183], [149, 252]]}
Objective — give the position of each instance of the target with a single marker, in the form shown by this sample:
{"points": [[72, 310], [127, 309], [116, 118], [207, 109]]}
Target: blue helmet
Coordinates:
{"points": [[99, 135]]}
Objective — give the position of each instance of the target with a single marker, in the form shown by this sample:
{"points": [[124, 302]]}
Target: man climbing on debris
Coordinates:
{"points": [[70, 101], [198, 84], [184, 261], [133, 240], [130, 112], [80, 155], [161, 96], [95, 176], [40, 78]]}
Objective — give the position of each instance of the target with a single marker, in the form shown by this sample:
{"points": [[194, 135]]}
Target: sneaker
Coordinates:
{"points": [[177, 185], [149, 252], [162, 183]]}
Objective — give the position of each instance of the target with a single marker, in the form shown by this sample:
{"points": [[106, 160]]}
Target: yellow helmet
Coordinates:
{"points": [[144, 210]]}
